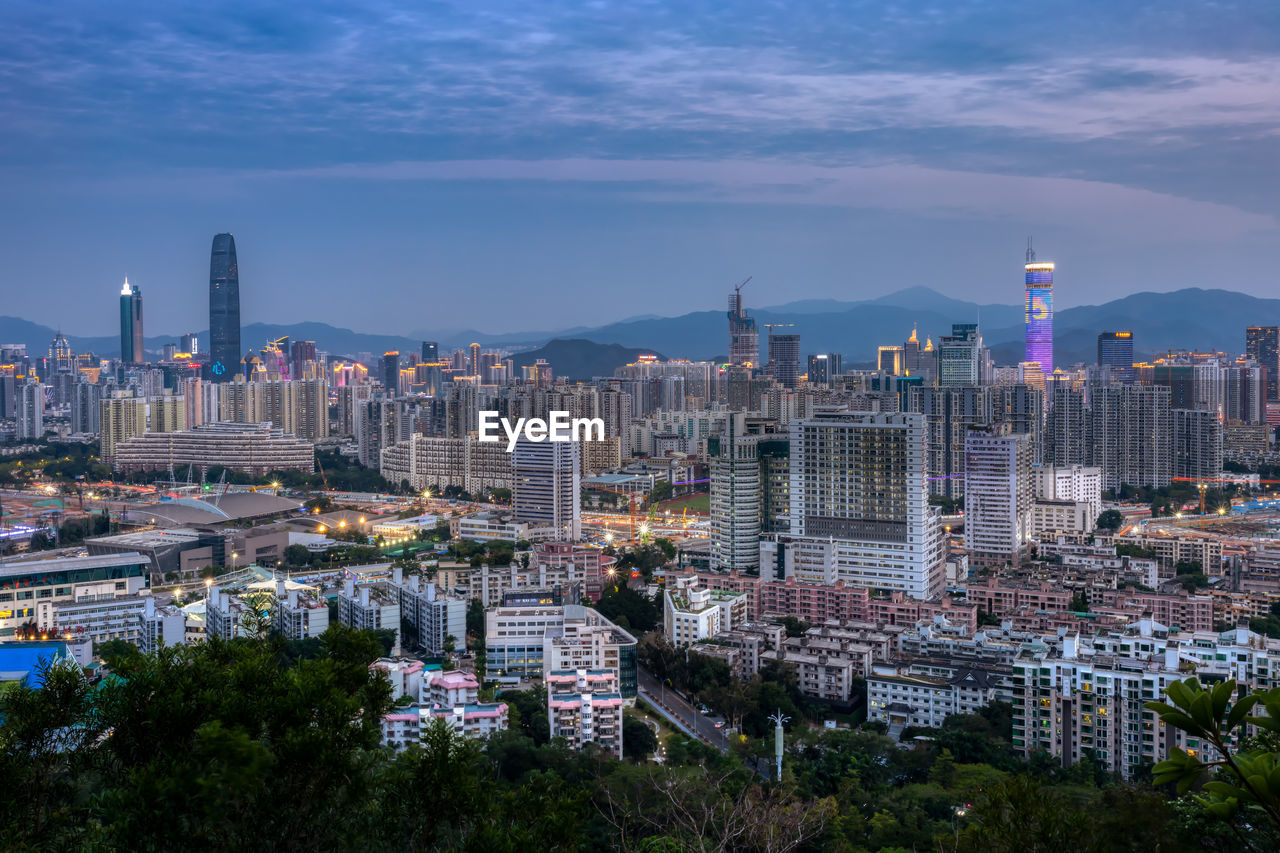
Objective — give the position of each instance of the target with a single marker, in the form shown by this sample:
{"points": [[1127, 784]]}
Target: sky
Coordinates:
{"points": [[411, 167]]}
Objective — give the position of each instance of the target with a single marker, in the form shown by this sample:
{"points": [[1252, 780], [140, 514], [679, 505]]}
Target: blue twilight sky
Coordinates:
{"points": [[534, 165]]}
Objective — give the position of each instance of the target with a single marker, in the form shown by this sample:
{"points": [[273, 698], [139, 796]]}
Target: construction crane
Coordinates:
{"points": [[631, 524], [737, 288]]}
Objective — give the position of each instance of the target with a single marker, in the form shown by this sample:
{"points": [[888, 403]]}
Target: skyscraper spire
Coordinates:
{"points": [[131, 324]]}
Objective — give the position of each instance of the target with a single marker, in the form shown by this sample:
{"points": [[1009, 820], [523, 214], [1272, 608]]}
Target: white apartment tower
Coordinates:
{"points": [[997, 496], [859, 505], [547, 483]]}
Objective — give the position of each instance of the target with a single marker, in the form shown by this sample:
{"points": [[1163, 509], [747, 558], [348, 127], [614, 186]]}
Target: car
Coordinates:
{"points": [[719, 724]]}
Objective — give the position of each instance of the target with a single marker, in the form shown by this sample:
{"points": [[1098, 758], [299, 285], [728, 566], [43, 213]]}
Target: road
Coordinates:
{"points": [[702, 724]]}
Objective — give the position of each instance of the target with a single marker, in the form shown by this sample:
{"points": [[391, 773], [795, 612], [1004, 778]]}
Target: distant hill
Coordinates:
{"points": [[580, 359], [1193, 317]]}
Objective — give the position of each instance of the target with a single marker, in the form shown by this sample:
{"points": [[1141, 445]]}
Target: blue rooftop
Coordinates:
{"points": [[20, 661]]}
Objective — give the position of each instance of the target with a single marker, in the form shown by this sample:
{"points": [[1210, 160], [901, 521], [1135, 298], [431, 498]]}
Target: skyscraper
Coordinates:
{"points": [[547, 480], [997, 495], [60, 357], [1115, 351], [131, 324], [960, 356], [30, 410], [859, 505], [1262, 344], [744, 338], [430, 351], [784, 358], [735, 498], [1039, 312], [391, 373], [224, 310]]}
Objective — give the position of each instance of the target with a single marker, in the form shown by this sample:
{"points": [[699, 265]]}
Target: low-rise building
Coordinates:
{"points": [[523, 642], [32, 588], [370, 608], [692, 612], [584, 706], [436, 620], [898, 697], [298, 615]]}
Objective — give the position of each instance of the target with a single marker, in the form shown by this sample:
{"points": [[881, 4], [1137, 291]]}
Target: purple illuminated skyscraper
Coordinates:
{"points": [[1039, 312]]}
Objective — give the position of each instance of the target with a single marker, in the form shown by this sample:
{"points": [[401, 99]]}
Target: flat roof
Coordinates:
{"points": [[66, 563]]}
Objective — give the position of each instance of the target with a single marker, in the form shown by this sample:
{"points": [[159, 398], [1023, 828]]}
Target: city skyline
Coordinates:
{"points": [[627, 157]]}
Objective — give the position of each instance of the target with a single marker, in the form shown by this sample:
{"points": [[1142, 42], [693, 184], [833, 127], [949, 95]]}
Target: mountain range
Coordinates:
{"points": [[1193, 317]]}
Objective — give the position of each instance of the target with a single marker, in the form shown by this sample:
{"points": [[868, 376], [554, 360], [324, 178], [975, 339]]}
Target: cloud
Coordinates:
{"points": [[900, 188]]}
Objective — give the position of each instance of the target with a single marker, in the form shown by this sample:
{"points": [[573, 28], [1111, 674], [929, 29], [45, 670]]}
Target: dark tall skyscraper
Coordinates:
{"points": [[1262, 344], [1115, 350], [224, 310], [430, 351], [131, 324], [784, 358], [391, 373]]}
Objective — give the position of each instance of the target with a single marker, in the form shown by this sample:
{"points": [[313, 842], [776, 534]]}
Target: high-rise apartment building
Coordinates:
{"points": [[547, 484], [736, 496], [1115, 352], [300, 407], [167, 414], [1066, 440], [131, 324], [948, 412], [961, 356], [30, 413], [1244, 392], [614, 406], [859, 506], [224, 310], [1262, 344], [86, 408], [1129, 435], [997, 496], [1039, 312], [1197, 444], [122, 418]]}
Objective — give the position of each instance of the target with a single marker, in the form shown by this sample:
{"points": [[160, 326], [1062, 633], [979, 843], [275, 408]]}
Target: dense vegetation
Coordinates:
{"points": [[268, 745]]}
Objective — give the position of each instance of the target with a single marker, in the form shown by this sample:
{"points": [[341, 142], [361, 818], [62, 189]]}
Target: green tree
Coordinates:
{"points": [[1245, 784], [1110, 521], [638, 739]]}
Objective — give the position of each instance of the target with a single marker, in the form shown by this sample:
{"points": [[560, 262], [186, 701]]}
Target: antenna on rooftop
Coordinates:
{"points": [[1031, 253]]}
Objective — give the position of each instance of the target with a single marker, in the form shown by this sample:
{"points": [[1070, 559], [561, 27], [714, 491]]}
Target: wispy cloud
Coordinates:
{"points": [[891, 187]]}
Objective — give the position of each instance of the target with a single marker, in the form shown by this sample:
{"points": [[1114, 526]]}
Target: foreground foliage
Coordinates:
{"points": [[267, 745]]}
